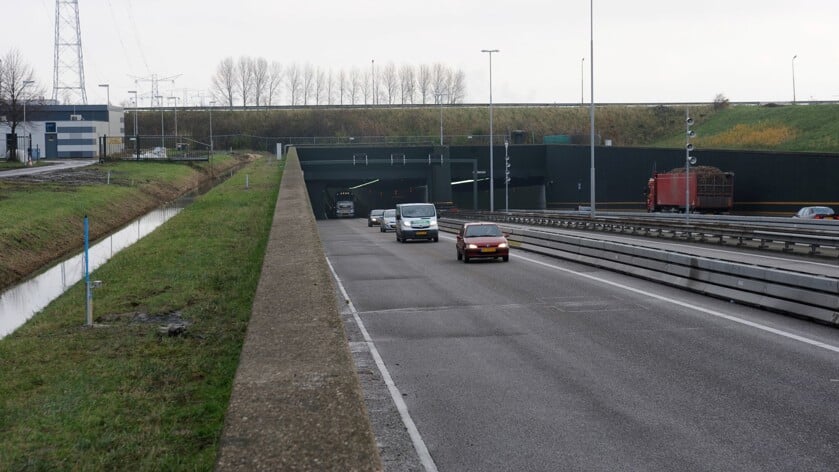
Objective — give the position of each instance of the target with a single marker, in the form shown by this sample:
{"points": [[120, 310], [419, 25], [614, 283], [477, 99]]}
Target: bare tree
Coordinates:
{"points": [[406, 83], [320, 86], [275, 79], [224, 82], [439, 81], [294, 83], [244, 79], [308, 83], [260, 80], [390, 79], [342, 86], [18, 89], [367, 87], [330, 88], [424, 82], [355, 84], [457, 86]]}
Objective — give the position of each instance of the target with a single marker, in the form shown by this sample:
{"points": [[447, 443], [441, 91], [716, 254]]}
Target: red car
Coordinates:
{"points": [[484, 240]]}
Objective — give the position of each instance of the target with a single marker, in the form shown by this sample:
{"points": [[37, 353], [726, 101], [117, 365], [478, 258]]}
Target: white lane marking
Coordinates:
{"points": [[707, 311], [416, 438]]}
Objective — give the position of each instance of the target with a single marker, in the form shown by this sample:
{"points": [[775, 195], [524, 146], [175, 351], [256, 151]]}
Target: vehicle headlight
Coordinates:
{"points": [[471, 246], [406, 224], [433, 225], [503, 245]]}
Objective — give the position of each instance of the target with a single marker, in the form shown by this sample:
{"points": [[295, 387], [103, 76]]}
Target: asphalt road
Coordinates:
{"points": [[540, 364], [54, 166]]}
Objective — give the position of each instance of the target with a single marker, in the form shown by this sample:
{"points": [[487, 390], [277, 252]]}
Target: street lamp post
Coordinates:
{"points": [[136, 139], [793, 78], [591, 109], [25, 100], [440, 99], [582, 81], [212, 104], [108, 95], [491, 173], [176, 116], [107, 91], [162, 131]]}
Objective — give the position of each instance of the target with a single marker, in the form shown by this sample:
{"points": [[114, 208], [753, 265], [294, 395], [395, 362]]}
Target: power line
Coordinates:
{"points": [[137, 35]]}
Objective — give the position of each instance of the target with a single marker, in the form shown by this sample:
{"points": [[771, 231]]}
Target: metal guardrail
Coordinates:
{"points": [[810, 296], [815, 235]]}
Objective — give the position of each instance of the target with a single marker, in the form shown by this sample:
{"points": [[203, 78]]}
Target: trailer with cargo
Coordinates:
{"points": [[709, 190]]}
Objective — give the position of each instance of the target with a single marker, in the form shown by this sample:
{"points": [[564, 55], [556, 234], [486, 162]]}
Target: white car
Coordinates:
{"points": [[388, 221]]}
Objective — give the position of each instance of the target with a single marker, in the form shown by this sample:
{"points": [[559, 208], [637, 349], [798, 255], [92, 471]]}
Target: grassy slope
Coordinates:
{"points": [[120, 395], [44, 221], [783, 128]]}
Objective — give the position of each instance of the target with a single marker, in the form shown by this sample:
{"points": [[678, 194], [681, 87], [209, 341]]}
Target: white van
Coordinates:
{"points": [[416, 221]]}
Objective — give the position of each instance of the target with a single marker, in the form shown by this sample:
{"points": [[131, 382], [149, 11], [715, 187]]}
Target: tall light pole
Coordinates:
{"points": [[108, 95], [176, 116], [107, 91], [135, 112], [491, 174], [440, 99], [591, 109], [793, 78], [582, 80], [212, 104], [162, 131], [29, 145]]}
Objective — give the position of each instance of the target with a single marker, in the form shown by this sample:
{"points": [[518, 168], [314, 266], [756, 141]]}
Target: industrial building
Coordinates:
{"points": [[64, 131]]}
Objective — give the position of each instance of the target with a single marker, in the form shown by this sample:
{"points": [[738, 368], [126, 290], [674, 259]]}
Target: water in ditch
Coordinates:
{"points": [[21, 302]]}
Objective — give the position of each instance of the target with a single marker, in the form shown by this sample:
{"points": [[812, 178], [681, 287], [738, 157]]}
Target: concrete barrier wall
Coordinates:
{"points": [[296, 402]]}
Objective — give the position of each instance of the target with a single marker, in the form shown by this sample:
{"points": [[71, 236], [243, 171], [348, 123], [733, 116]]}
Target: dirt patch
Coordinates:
{"points": [[70, 177]]}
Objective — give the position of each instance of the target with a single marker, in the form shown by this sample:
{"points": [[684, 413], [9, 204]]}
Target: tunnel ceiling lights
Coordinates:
{"points": [[469, 181], [364, 184]]}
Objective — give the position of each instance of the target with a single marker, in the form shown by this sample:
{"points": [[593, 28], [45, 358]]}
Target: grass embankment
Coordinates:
{"points": [[777, 128], [625, 126], [781, 128], [42, 221], [121, 395]]}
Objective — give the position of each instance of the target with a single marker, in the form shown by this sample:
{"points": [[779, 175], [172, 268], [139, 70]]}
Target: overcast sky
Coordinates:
{"points": [[644, 50]]}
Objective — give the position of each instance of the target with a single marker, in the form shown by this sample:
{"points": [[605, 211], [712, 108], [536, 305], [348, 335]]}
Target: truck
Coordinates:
{"points": [[711, 190], [344, 204]]}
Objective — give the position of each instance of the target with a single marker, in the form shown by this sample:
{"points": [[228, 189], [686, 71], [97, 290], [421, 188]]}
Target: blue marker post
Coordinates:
{"points": [[88, 294]]}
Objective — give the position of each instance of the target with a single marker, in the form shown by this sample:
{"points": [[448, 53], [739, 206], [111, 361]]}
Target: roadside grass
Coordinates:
{"points": [[42, 221], [813, 128], [123, 395]]}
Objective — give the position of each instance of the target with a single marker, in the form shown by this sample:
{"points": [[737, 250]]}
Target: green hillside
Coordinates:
{"points": [[782, 128], [778, 128]]}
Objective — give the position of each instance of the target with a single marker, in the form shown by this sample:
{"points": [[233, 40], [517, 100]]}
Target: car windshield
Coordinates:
{"points": [[418, 211], [479, 231], [377, 213], [390, 213], [822, 211]]}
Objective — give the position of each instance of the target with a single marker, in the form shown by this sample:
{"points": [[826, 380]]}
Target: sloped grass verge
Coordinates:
{"points": [[126, 393]]}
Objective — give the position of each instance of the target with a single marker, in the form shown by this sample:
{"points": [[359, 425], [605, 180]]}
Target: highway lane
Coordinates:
{"points": [[539, 364]]}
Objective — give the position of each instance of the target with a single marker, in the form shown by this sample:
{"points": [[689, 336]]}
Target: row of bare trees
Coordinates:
{"points": [[249, 81]]}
